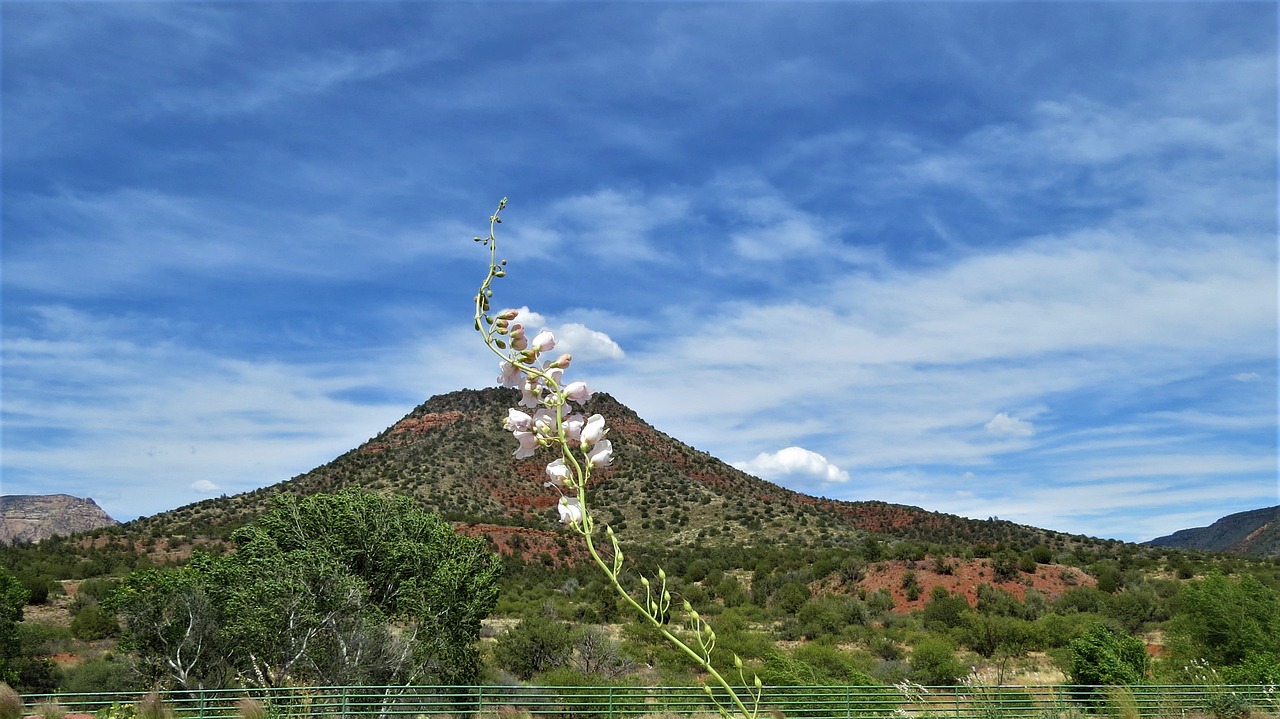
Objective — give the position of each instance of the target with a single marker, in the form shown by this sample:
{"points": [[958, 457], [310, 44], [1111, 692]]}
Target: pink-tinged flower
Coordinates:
{"points": [[593, 430], [543, 341], [508, 314], [558, 471], [528, 443], [570, 511], [578, 392], [555, 374], [530, 395], [601, 454], [544, 422], [517, 420], [573, 427], [510, 376], [562, 362]]}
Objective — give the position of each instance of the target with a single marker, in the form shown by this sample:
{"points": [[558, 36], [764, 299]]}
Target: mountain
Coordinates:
{"points": [[452, 454], [1255, 533], [33, 517]]}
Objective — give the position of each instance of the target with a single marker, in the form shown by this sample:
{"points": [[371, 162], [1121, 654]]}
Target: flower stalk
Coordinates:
{"points": [[580, 441]]}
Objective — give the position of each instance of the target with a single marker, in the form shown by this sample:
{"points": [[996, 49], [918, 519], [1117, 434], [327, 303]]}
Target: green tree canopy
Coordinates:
{"points": [[343, 588], [1226, 622], [1104, 657], [13, 597]]}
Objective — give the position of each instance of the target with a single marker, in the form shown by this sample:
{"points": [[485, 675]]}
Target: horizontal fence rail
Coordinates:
{"points": [[905, 701]]}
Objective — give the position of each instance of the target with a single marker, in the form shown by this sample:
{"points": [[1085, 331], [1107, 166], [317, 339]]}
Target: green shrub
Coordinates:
{"points": [[934, 663], [534, 646], [110, 673], [1104, 657], [94, 623]]}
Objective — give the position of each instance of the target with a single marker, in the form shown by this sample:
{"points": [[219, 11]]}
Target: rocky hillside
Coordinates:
{"points": [[33, 517], [1255, 533], [453, 455]]}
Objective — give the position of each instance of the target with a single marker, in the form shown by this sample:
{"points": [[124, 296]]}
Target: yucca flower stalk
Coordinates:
{"points": [[556, 423]]}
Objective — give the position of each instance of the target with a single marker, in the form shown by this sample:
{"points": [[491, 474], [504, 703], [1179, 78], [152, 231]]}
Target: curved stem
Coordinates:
{"points": [[653, 610]]}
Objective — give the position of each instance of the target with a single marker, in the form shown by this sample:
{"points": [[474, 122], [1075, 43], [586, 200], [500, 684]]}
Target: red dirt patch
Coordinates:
{"points": [[965, 576], [526, 542]]}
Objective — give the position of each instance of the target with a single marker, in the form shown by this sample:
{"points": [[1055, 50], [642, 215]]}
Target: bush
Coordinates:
{"points": [[534, 646], [1103, 657], [93, 623], [104, 674], [934, 663]]}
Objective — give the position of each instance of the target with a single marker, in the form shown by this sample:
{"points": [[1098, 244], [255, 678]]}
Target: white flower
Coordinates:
{"points": [[578, 392], [573, 427], [543, 341], [570, 511], [601, 454], [528, 443], [530, 395], [517, 420], [593, 430], [558, 471], [510, 376], [544, 422], [554, 374]]}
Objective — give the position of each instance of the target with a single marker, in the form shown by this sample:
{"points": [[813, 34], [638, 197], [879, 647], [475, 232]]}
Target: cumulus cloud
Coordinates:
{"points": [[204, 486], [575, 338], [1003, 425], [585, 343], [793, 462]]}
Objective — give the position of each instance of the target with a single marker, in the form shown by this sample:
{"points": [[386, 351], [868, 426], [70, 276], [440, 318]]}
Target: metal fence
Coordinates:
{"points": [[812, 702]]}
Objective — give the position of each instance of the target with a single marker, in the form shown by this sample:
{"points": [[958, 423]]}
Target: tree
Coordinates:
{"points": [[171, 621], [346, 588], [1104, 657], [13, 597], [1225, 621]]}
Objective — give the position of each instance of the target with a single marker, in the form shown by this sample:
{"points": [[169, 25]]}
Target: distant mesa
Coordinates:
{"points": [[35, 517]]}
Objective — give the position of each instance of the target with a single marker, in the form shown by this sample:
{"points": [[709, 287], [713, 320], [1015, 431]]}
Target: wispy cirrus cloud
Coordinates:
{"points": [[977, 271]]}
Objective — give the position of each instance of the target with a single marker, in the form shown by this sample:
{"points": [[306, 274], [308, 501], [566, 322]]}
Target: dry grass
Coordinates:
{"points": [[11, 706]]}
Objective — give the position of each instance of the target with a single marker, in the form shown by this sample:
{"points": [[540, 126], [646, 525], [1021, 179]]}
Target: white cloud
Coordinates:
{"points": [[1246, 377], [612, 225], [204, 486], [793, 462], [1002, 425], [575, 338], [585, 343]]}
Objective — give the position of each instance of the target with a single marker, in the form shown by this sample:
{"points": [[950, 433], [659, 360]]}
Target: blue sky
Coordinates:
{"points": [[993, 259]]}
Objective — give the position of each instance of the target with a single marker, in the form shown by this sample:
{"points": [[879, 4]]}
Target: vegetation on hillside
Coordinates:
{"points": [[804, 590]]}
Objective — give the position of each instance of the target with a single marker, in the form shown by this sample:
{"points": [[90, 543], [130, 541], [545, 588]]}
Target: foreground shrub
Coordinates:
{"points": [[10, 702]]}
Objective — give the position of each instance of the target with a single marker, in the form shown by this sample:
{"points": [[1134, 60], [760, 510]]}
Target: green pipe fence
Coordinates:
{"points": [[812, 702]]}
